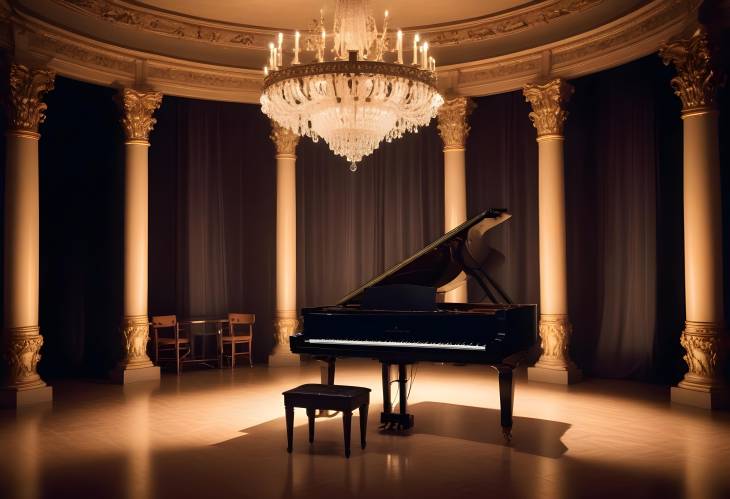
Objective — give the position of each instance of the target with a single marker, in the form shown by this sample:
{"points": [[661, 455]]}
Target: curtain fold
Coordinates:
{"points": [[213, 214], [501, 172], [351, 226]]}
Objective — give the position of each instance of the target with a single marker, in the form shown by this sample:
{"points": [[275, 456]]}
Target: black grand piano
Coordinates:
{"points": [[398, 319]]}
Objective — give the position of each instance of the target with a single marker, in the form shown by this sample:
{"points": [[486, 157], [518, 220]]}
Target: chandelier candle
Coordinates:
{"points": [[279, 52], [416, 39], [355, 100], [296, 48], [381, 49]]}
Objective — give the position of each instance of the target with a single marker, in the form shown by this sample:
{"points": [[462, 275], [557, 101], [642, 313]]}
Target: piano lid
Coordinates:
{"points": [[441, 262]]}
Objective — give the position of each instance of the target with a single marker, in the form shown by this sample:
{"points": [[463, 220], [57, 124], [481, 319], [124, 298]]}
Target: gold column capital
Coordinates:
{"points": [[284, 139], [453, 122], [697, 80], [27, 88], [138, 106], [548, 102]]}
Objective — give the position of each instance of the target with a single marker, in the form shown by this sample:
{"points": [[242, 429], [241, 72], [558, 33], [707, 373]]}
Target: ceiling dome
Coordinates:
{"points": [[216, 48]]}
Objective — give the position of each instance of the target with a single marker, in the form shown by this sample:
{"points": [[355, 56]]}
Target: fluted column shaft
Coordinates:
{"points": [[454, 129], [137, 121], [286, 321], [704, 337], [22, 338], [548, 116]]}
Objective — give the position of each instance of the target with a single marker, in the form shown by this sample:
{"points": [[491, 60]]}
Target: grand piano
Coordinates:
{"points": [[399, 318]]}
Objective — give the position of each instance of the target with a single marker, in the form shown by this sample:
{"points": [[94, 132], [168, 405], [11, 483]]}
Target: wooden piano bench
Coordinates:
{"points": [[328, 397]]}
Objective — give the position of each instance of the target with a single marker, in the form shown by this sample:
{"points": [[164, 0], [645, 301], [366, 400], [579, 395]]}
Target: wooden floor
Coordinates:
{"points": [[222, 434]]}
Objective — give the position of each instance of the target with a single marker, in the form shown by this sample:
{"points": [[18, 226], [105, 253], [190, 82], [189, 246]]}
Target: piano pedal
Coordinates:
{"points": [[507, 433], [394, 421]]}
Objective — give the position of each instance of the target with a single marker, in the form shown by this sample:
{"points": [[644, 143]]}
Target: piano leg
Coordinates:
{"points": [[402, 389], [506, 397], [387, 406], [388, 419], [327, 377], [327, 370]]}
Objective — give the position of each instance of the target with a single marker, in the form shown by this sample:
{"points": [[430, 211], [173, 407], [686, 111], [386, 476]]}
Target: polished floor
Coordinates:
{"points": [[222, 434]]}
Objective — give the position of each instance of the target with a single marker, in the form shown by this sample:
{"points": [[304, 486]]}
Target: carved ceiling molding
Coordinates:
{"points": [[81, 58], [160, 22], [167, 24], [69, 54], [506, 23], [633, 36]]}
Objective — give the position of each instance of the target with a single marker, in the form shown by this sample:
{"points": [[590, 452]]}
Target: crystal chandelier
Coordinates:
{"points": [[357, 99]]}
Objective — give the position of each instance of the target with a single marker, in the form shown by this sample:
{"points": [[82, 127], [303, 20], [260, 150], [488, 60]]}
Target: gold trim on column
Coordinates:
{"points": [[550, 136], [24, 134], [548, 102], [698, 112], [703, 343], [453, 122], [285, 141], [135, 334], [137, 107], [22, 352], [27, 88], [697, 80], [555, 331], [284, 328]]}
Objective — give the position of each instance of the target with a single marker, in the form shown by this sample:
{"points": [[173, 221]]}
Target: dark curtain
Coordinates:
{"points": [[351, 226], [623, 174], [613, 201], [81, 210], [501, 172], [213, 214]]}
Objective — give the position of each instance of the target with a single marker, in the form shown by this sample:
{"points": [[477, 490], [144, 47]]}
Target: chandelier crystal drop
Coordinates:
{"points": [[356, 100]]}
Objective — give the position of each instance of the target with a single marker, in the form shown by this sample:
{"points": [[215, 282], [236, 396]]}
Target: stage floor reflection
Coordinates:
{"points": [[222, 434]]}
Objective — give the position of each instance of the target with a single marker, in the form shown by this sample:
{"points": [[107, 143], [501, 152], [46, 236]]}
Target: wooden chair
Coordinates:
{"points": [[238, 334], [167, 337]]}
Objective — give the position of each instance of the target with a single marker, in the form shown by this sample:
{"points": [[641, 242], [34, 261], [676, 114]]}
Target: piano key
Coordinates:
{"points": [[395, 344]]}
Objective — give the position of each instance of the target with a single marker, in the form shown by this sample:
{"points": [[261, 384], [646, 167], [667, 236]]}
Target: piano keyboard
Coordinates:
{"points": [[391, 344]]}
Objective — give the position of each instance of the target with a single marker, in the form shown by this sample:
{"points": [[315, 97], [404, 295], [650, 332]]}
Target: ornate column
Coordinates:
{"points": [[704, 337], [286, 320], [137, 121], [454, 129], [22, 338], [548, 116]]}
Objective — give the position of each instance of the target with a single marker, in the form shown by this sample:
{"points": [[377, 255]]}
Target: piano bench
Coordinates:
{"points": [[327, 397]]}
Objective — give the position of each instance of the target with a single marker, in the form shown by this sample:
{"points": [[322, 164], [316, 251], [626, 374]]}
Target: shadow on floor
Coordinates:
{"points": [[476, 424]]}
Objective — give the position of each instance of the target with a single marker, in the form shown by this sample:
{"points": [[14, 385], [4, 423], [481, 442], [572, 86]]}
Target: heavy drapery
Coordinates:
{"points": [[212, 216], [352, 226]]}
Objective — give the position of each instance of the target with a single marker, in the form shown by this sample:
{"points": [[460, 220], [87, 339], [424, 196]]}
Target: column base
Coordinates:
{"points": [[124, 375], [283, 357], [566, 376], [12, 398], [712, 399]]}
